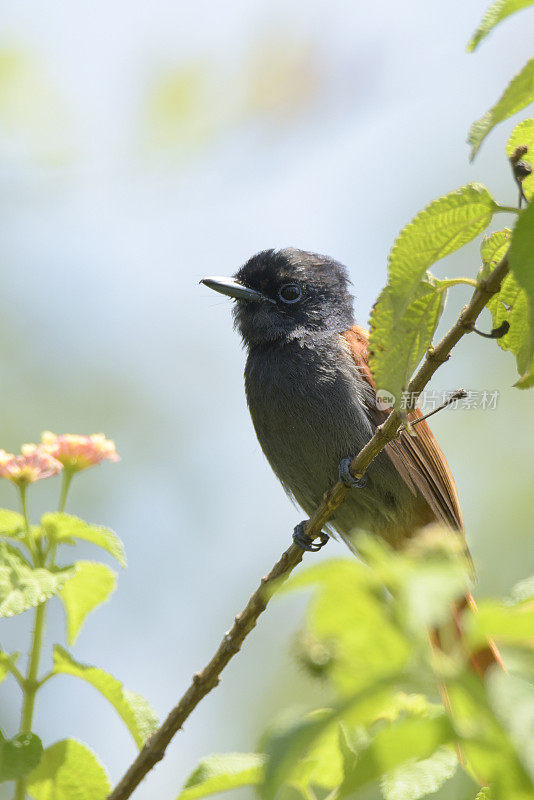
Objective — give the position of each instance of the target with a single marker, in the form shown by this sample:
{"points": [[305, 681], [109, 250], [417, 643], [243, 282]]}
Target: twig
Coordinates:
{"points": [[203, 682], [459, 394]]}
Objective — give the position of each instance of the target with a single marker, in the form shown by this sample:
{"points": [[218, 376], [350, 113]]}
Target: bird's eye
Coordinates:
{"points": [[290, 293]]}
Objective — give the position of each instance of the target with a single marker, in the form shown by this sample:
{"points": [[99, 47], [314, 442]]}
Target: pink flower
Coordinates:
{"points": [[78, 452], [33, 465]]}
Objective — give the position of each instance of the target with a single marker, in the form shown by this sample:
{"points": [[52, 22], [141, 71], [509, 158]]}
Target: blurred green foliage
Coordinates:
{"points": [[387, 725]]}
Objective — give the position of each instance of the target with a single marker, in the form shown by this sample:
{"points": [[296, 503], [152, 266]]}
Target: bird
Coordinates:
{"points": [[314, 403]]}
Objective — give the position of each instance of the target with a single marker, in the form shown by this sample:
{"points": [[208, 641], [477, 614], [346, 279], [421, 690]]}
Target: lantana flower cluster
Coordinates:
{"points": [[68, 451]]}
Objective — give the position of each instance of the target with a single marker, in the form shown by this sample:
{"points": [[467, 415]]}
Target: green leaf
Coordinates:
{"points": [[416, 779], [441, 228], [493, 249], [21, 586], [510, 304], [134, 710], [69, 770], [486, 745], [305, 752], [64, 527], [484, 794], [91, 584], [521, 258], [507, 624], [219, 773], [405, 317], [523, 590], [524, 134], [292, 747], [424, 581], [11, 524], [19, 755], [289, 749], [512, 699], [6, 659], [518, 94], [398, 342], [393, 746], [348, 610], [495, 14]]}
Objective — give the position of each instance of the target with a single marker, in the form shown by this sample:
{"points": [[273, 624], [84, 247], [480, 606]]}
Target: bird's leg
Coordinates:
{"points": [[347, 479], [303, 541]]}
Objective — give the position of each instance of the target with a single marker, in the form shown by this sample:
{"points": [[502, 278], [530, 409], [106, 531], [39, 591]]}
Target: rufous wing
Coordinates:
{"points": [[422, 465], [418, 458]]}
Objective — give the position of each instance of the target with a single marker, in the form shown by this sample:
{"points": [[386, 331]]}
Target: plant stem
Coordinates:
{"points": [[30, 684], [28, 534], [46, 678], [445, 284], [16, 674], [66, 480], [65, 485], [508, 209]]}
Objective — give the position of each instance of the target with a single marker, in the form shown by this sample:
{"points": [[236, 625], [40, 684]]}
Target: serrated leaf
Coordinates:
{"points": [[21, 586], [91, 585], [19, 755], [518, 94], [521, 258], [395, 745], [510, 304], [405, 316], [441, 228], [11, 524], [495, 14], [63, 527], [524, 134], [219, 773], [484, 794], [417, 779], [69, 770], [492, 250], [134, 710], [398, 342]]}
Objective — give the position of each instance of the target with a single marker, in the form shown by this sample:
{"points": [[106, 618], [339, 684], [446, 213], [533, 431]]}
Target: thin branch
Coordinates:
{"points": [[17, 674], [459, 394], [203, 682]]}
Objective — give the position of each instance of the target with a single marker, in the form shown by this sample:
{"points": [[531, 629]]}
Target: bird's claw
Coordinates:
{"points": [[303, 541], [347, 479]]}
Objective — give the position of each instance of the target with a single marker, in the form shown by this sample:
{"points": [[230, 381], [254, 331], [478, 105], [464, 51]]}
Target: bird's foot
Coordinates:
{"points": [[347, 479], [303, 541]]}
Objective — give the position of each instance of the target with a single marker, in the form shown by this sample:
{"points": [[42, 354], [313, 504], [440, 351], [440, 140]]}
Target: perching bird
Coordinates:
{"points": [[314, 405]]}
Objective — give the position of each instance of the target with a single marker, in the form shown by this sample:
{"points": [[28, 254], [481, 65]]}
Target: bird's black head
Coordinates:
{"points": [[287, 295]]}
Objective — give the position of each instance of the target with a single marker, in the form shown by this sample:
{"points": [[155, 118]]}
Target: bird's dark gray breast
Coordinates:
{"points": [[307, 406]]}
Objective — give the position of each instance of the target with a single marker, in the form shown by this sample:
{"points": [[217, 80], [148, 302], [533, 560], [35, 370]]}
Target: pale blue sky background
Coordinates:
{"points": [[323, 125]]}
